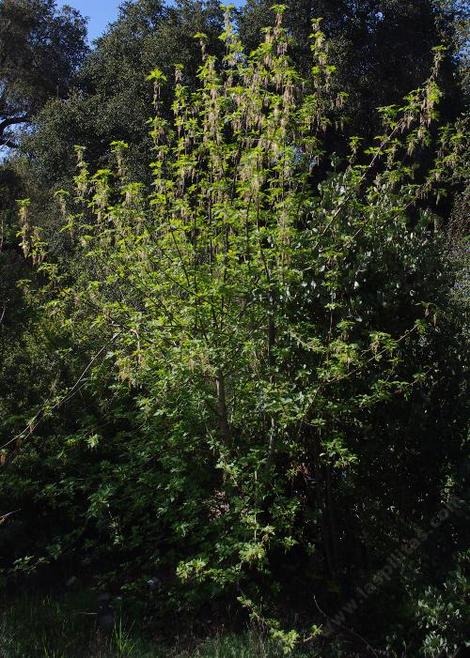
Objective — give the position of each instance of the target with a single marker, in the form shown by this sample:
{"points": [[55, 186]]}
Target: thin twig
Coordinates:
{"points": [[344, 628], [78, 385]]}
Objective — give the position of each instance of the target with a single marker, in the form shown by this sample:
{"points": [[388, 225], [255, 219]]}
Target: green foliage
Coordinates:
{"points": [[65, 627], [248, 361], [40, 51], [380, 50], [111, 98], [444, 613]]}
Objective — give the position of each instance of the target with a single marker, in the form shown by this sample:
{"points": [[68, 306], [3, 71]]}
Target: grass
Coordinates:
{"points": [[47, 627]]}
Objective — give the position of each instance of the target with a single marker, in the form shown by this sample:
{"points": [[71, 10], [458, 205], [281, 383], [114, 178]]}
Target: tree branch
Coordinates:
{"points": [[12, 121], [6, 123]]}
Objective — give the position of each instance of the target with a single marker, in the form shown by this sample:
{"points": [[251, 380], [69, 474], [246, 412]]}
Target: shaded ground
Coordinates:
{"points": [[46, 627]]}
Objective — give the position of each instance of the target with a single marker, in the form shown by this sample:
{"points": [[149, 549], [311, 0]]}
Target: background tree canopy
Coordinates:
{"points": [[41, 50], [234, 316]]}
